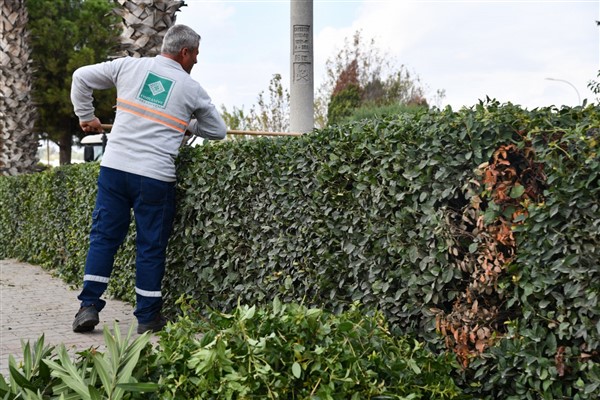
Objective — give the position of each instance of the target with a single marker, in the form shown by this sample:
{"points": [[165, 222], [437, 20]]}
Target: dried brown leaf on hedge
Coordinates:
{"points": [[511, 179]]}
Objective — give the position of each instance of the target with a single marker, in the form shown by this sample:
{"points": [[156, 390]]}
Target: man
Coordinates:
{"points": [[157, 101]]}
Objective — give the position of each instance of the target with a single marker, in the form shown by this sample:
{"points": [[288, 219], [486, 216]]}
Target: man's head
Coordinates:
{"points": [[181, 44]]}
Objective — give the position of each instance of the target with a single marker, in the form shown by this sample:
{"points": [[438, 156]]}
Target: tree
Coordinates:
{"points": [[67, 34], [346, 95], [18, 142], [272, 115], [145, 24], [358, 76]]}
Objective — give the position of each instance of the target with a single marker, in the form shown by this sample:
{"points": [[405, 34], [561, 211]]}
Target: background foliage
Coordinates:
{"points": [[269, 115], [66, 35], [359, 76], [475, 230]]}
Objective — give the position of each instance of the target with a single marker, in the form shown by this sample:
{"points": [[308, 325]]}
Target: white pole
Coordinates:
{"points": [[302, 118]]}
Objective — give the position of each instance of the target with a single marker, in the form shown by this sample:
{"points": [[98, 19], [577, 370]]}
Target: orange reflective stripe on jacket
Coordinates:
{"points": [[151, 114]]}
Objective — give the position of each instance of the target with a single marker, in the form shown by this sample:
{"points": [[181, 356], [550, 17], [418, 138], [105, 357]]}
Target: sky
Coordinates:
{"points": [[471, 50]]}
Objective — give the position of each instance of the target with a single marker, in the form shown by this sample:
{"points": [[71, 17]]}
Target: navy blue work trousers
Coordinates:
{"points": [[153, 204]]}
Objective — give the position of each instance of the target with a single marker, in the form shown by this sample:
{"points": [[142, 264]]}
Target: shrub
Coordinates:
{"points": [[49, 373], [290, 351], [276, 352]]}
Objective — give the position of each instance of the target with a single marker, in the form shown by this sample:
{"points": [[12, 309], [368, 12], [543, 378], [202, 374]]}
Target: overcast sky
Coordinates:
{"points": [[471, 49]]}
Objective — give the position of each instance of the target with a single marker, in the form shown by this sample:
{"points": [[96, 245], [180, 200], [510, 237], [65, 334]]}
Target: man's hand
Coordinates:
{"points": [[93, 125]]}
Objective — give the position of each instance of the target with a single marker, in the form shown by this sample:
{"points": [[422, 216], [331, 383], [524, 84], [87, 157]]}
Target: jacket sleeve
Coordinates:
{"points": [[207, 122], [85, 81]]}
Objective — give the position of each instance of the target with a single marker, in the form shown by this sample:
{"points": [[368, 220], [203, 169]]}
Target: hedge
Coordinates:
{"points": [[476, 230]]}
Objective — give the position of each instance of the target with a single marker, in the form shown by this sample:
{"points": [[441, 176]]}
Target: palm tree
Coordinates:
{"points": [[145, 24], [18, 140]]}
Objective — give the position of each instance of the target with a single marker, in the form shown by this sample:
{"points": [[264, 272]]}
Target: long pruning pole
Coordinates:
{"points": [[240, 132]]}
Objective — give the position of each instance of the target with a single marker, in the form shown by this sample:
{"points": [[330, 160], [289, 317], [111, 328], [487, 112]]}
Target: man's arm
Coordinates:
{"points": [[206, 121], [208, 125], [85, 80]]}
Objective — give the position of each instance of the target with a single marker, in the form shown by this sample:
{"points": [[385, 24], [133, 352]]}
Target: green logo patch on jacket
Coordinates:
{"points": [[156, 90]]}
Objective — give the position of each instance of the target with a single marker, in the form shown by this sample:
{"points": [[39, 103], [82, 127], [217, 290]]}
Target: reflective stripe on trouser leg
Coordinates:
{"points": [[110, 223], [148, 303], [154, 211]]}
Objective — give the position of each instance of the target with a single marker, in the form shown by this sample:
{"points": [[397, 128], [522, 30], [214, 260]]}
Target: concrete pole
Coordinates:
{"points": [[302, 117]]}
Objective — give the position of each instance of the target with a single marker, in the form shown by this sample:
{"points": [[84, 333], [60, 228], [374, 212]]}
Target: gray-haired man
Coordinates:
{"points": [[157, 101]]}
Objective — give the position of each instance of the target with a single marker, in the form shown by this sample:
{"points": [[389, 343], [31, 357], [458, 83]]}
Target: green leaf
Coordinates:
{"points": [[345, 326], [27, 360], [413, 365], [104, 371], [296, 370], [551, 345], [517, 191], [139, 387], [591, 387], [277, 308], [19, 379], [68, 373], [94, 393], [31, 395], [490, 215], [4, 388], [473, 248], [129, 358], [248, 313]]}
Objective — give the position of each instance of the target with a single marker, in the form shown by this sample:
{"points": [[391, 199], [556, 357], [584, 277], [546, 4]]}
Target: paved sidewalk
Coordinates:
{"points": [[32, 303]]}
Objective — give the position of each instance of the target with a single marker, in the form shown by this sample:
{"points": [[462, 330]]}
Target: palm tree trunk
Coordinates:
{"points": [[18, 140], [145, 24]]}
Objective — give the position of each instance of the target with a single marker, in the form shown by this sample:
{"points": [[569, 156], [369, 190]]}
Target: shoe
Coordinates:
{"points": [[155, 325], [86, 319]]}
